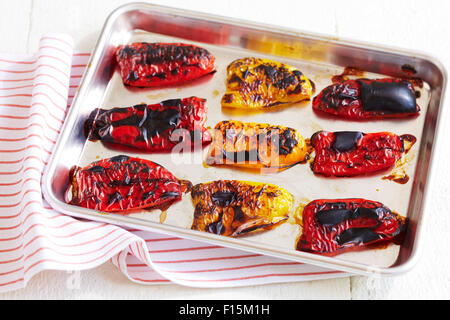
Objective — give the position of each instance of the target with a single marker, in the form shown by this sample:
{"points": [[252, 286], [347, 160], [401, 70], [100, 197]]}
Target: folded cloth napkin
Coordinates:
{"points": [[35, 94]]}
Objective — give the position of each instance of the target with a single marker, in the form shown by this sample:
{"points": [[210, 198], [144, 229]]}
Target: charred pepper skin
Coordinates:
{"points": [[352, 153], [144, 64], [123, 183], [332, 227], [235, 208], [365, 99], [254, 83], [151, 127], [250, 145]]}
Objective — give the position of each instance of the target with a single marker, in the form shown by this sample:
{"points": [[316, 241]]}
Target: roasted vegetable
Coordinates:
{"points": [[156, 127], [122, 183], [234, 208], [158, 64], [335, 226], [351, 153], [260, 83], [368, 99], [256, 145]]}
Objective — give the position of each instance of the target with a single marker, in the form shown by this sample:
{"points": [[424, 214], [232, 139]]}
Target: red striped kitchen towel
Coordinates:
{"points": [[35, 94]]}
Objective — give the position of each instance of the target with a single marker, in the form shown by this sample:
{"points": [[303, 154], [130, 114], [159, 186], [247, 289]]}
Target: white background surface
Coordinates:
{"points": [[414, 25]]}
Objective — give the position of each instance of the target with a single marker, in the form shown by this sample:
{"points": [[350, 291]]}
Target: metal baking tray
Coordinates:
{"points": [[319, 58]]}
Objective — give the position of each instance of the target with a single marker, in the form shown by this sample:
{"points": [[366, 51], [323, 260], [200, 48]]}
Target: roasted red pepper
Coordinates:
{"points": [[335, 226], [157, 127], [144, 64], [122, 183], [351, 153], [364, 99]]}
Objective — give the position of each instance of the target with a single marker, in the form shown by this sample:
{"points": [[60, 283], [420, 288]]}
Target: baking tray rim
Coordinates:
{"points": [[324, 261]]}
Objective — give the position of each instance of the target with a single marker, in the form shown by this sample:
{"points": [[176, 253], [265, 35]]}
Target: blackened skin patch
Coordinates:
{"points": [[391, 97], [216, 227], [357, 236], [97, 169], [223, 198], [346, 140], [119, 158], [332, 217]]}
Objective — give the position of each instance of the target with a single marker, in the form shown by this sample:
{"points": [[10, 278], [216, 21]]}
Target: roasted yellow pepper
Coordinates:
{"points": [[256, 83], [234, 208], [256, 146]]}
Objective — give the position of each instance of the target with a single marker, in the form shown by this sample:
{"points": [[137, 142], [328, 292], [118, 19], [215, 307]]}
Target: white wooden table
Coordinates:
{"points": [[416, 25]]}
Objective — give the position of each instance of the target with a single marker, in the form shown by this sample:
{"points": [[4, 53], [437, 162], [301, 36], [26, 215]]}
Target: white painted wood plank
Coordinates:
{"points": [[14, 25]]}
